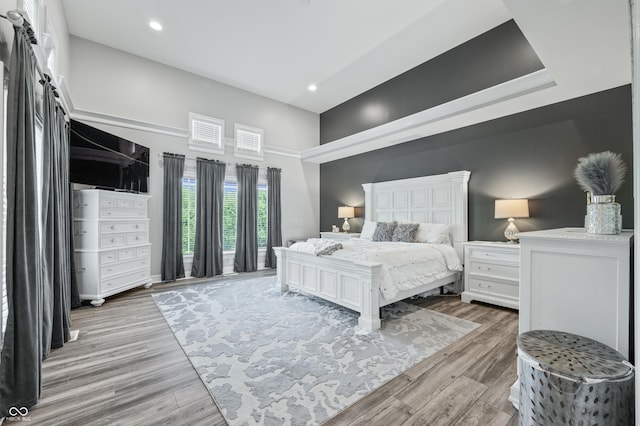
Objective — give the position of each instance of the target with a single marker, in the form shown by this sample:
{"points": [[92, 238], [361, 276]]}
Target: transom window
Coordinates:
{"points": [[206, 134], [248, 141]]}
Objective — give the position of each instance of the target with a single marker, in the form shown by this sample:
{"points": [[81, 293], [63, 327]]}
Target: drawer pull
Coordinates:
{"points": [[109, 270], [81, 269], [480, 268], [484, 285], [137, 226], [112, 227], [81, 205], [113, 240], [81, 232], [109, 213]]}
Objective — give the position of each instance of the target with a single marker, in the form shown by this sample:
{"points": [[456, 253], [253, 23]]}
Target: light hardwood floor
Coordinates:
{"points": [[127, 368]]}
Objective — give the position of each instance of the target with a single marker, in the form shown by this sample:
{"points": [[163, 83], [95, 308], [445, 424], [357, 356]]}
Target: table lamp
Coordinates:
{"points": [[346, 213], [511, 209]]}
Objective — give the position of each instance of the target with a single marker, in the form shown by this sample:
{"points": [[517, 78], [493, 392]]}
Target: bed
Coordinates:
{"points": [[355, 284]]}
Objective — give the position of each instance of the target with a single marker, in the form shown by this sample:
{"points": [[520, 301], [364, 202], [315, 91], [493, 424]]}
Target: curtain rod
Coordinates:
{"points": [[161, 156], [18, 21]]}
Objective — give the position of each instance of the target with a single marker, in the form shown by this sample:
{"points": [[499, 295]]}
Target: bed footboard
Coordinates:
{"points": [[353, 285]]}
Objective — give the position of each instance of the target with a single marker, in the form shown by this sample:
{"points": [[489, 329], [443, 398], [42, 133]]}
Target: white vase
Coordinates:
{"points": [[603, 215]]}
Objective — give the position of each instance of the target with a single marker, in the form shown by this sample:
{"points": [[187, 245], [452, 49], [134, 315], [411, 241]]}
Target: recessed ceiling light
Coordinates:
{"points": [[155, 25], [312, 87]]}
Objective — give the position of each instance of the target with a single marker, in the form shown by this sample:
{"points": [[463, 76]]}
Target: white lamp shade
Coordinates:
{"points": [[512, 208], [346, 212]]}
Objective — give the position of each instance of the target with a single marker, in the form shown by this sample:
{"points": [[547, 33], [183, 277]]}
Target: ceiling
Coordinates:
{"points": [[277, 48]]}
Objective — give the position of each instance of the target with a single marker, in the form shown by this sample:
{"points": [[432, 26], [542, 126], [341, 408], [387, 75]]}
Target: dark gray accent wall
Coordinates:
{"points": [[501, 54], [531, 155]]}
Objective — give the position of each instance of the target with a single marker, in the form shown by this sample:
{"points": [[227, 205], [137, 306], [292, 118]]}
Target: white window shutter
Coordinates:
{"points": [[248, 142], [206, 134], [29, 9]]}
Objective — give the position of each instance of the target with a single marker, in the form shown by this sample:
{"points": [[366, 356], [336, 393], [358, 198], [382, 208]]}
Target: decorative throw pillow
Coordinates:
{"points": [[367, 230], [405, 232], [384, 231]]}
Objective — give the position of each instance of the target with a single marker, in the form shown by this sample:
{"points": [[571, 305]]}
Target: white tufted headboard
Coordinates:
{"points": [[432, 199]]}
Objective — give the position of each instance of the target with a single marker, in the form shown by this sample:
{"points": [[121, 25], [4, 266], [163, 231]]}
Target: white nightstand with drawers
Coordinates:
{"points": [[492, 273], [339, 235]]}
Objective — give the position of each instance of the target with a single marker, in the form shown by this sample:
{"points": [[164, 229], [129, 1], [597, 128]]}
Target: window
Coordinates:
{"points": [[206, 134], [188, 214], [229, 214], [248, 141], [3, 279], [30, 10], [49, 41]]}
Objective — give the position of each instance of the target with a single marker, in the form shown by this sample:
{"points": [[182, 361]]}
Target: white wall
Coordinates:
{"points": [[108, 81]]}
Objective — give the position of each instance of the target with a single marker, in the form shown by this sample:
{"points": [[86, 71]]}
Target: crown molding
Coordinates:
{"points": [[420, 124], [113, 120]]}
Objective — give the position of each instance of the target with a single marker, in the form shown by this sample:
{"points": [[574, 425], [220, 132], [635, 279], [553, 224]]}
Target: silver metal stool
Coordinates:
{"points": [[567, 379]]}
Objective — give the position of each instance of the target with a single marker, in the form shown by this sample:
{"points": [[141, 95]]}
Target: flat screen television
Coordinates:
{"points": [[107, 161]]}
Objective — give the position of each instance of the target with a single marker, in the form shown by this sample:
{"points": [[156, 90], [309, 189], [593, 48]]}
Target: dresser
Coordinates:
{"points": [[111, 238], [339, 235], [491, 273], [579, 283]]}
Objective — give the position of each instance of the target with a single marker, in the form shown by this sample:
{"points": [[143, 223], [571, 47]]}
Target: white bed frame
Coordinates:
{"points": [[354, 284]]}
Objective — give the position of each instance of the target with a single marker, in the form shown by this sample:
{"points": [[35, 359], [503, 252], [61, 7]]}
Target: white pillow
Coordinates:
{"points": [[434, 233], [439, 234], [367, 230]]}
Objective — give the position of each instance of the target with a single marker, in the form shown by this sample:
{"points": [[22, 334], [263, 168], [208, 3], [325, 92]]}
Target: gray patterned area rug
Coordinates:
{"points": [[272, 358]]}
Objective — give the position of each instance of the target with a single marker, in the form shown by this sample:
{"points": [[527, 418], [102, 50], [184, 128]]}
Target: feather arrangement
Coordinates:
{"points": [[601, 173]]}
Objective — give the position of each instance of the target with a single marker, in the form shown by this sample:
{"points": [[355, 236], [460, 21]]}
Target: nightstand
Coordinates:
{"points": [[492, 273], [339, 235]]}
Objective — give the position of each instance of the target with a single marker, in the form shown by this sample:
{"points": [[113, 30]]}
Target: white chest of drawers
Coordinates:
{"points": [[111, 238], [491, 273]]}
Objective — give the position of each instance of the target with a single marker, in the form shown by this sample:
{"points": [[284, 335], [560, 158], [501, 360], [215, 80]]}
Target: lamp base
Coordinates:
{"points": [[345, 226], [511, 231]]}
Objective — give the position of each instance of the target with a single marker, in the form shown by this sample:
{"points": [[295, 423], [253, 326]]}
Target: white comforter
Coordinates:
{"points": [[317, 246], [405, 265]]}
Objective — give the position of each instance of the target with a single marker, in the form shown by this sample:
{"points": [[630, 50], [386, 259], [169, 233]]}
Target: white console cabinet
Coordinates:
{"points": [[111, 237], [576, 282]]}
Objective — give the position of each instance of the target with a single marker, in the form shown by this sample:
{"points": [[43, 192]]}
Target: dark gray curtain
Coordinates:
{"points": [[62, 236], [246, 259], [172, 262], [207, 253], [274, 216], [20, 368], [56, 258]]}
